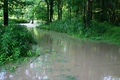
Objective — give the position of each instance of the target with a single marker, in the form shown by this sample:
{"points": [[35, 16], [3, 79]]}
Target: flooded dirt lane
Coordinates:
{"points": [[67, 58]]}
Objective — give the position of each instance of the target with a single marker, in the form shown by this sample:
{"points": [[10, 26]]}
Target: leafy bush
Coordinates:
{"points": [[1, 22], [15, 42], [96, 29], [65, 26], [18, 21], [113, 33]]}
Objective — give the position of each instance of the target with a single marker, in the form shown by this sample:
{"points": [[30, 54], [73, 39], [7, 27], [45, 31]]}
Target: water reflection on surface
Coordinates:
{"points": [[67, 58]]}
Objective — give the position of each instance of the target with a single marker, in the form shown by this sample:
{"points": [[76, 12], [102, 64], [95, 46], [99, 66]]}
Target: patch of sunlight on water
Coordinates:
{"points": [[111, 78], [35, 32], [2, 75]]}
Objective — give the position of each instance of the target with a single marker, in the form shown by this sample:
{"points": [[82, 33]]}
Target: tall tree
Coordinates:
{"points": [[48, 11], [84, 14], [5, 10], [50, 5], [51, 9], [89, 12], [59, 6]]}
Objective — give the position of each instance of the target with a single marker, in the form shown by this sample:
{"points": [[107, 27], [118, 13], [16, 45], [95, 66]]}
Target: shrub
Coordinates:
{"points": [[95, 29], [113, 33], [15, 42], [65, 26], [18, 21]]}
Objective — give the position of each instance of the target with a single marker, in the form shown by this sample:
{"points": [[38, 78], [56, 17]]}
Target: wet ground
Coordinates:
{"points": [[67, 58], [30, 24]]}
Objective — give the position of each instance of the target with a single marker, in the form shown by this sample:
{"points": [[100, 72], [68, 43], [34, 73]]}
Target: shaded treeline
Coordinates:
{"points": [[83, 10]]}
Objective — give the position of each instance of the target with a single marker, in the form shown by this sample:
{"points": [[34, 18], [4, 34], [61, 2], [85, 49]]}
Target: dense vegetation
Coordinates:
{"points": [[15, 42], [98, 31], [51, 10], [91, 19]]}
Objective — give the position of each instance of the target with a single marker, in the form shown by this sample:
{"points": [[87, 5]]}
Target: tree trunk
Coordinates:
{"points": [[5, 10], [48, 11], [51, 10], [59, 4], [89, 12], [69, 12], [77, 13], [104, 11], [32, 18], [84, 15]]}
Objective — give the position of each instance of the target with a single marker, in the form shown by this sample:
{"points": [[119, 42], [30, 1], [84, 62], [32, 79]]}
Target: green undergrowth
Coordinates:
{"points": [[18, 21], [15, 43], [67, 77], [15, 21], [104, 32]]}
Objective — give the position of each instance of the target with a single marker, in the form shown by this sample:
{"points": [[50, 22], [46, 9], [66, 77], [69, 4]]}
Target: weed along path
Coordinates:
{"points": [[66, 58]]}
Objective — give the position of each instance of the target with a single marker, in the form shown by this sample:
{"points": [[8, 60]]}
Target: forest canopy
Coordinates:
{"points": [[50, 10]]}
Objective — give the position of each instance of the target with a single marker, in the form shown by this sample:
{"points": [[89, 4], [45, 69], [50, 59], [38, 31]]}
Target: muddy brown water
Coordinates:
{"points": [[67, 58]]}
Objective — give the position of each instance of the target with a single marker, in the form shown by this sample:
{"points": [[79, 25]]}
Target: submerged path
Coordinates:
{"points": [[67, 58], [30, 24]]}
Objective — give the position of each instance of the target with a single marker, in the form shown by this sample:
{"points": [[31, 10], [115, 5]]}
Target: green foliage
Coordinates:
{"points": [[68, 77], [41, 14], [66, 26], [18, 21], [1, 21], [15, 42], [113, 35], [103, 31], [97, 30]]}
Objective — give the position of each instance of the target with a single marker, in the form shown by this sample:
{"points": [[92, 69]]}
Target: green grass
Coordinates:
{"points": [[104, 32]]}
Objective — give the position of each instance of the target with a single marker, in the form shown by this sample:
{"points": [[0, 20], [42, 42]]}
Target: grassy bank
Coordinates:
{"points": [[104, 32]]}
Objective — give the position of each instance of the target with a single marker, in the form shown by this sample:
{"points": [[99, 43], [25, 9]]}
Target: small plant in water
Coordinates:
{"points": [[68, 77], [12, 69], [37, 51], [47, 50]]}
